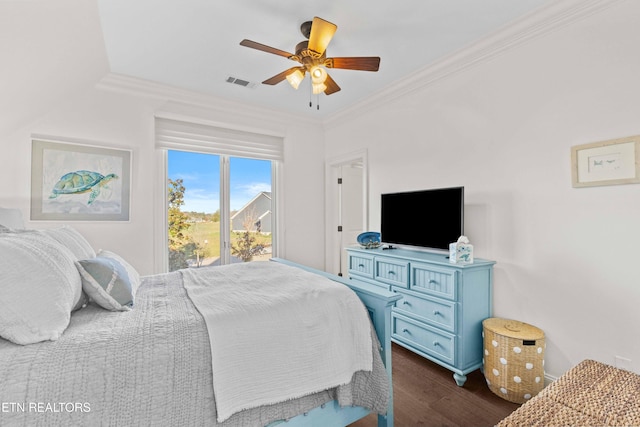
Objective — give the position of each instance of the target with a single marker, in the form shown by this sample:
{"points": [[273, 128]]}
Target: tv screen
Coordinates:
{"points": [[428, 218]]}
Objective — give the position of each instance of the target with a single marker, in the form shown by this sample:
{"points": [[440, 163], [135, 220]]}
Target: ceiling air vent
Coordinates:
{"points": [[240, 82]]}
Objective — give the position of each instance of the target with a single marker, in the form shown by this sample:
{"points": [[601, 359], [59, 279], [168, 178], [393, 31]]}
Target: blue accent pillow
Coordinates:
{"points": [[106, 281], [134, 276]]}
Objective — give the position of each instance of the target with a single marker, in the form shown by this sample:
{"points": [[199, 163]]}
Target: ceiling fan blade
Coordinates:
{"points": [[332, 86], [281, 76], [321, 34], [265, 48], [362, 63]]}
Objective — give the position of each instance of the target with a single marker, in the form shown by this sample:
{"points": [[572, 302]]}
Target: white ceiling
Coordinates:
{"points": [[194, 44]]}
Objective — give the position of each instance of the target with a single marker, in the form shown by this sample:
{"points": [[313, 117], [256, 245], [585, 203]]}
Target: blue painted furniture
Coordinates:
{"points": [[379, 303], [440, 315]]}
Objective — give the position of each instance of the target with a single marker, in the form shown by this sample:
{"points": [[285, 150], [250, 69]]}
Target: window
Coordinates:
{"points": [[220, 194]]}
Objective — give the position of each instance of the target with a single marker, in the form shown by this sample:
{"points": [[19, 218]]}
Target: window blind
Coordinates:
{"points": [[174, 134]]}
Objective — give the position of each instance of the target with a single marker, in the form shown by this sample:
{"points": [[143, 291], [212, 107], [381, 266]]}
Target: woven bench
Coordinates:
{"points": [[589, 394]]}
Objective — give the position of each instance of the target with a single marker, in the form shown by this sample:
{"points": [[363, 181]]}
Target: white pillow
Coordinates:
{"points": [[39, 286], [71, 239], [11, 218]]}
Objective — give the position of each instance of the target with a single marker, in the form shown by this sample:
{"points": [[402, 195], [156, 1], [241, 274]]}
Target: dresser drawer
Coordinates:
{"points": [[442, 304], [392, 272], [432, 280], [438, 344], [435, 311], [361, 265]]}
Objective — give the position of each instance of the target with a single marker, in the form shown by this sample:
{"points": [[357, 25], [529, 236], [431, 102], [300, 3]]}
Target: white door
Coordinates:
{"points": [[346, 207], [351, 209]]}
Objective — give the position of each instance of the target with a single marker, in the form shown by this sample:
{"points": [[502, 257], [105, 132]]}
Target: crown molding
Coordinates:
{"points": [[173, 96], [556, 14]]}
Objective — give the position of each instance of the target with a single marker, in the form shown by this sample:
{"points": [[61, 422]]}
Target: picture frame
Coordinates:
{"points": [[79, 182], [611, 162]]}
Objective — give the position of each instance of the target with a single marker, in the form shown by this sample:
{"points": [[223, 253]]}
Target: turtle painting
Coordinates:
{"points": [[81, 181]]}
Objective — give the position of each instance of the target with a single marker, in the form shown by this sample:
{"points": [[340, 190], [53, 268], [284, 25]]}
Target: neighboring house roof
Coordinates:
{"points": [[266, 194]]}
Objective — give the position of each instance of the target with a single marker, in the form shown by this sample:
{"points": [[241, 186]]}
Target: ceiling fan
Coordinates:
{"points": [[312, 56]]}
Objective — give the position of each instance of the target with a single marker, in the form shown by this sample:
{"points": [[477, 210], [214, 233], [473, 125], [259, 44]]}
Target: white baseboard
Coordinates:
{"points": [[548, 379]]}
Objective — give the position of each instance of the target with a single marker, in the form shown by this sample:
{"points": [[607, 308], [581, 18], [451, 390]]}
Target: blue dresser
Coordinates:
{"points": [[442, 307]]}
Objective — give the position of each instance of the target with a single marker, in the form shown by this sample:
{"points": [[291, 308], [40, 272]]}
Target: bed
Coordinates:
{"points": [[591, 393], [148, 358]]}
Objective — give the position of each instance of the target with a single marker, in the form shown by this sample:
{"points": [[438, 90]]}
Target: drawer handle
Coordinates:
{"points": [[433, 282], [406, 303], [436, 343], [406, 331], [392, 272], [361, 265], [436, 313]]}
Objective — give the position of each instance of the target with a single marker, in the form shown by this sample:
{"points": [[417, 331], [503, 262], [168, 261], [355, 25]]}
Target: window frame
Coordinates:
{"points": [[206, 138]]}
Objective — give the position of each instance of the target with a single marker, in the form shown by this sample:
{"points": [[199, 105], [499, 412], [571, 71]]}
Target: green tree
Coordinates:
{"points": [[178, 241], [245, 246]]}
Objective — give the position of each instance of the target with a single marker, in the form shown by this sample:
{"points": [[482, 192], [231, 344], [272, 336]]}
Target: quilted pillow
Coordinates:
{"points": [[11, 218], [39, 286], [71, 239], [107, 282]]}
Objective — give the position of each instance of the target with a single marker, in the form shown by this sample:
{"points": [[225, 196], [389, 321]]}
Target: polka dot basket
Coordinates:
{"points": [[513, 358]]}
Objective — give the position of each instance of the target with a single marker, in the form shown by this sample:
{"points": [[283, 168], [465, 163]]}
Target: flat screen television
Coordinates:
{"points": [[428, 218]]}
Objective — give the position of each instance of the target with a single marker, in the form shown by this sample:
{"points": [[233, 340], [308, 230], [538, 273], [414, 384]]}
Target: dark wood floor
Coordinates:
{"points": [[425, 394]]}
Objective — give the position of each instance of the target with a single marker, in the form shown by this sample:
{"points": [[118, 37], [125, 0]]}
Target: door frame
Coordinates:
{"points": [[332, 237]]}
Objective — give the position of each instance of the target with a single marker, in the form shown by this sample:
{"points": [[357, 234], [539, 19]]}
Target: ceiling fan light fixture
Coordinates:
{"points": [[295, 78], [311, 56], [318, 88], [318, 75]]}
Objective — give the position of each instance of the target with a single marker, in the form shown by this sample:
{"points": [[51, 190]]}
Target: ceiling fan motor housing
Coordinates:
{"points": [[308, 57], [305, 29]]}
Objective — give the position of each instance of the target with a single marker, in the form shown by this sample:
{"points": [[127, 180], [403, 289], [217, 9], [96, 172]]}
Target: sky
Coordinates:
{"points": [[201, 177]]}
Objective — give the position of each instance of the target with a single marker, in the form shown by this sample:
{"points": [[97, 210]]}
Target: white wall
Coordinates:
{"points": [[65, 92], [566, 258], [50, 50]]}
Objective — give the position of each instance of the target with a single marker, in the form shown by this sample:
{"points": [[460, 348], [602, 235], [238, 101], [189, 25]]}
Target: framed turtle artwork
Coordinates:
{"points": [[79, 182]]}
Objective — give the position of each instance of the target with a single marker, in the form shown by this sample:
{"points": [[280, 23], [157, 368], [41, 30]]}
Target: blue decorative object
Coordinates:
{"points": [[369, 239]]}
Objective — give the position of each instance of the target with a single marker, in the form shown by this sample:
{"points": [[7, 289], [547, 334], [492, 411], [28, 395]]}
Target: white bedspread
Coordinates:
{"points": [[277, 332]]}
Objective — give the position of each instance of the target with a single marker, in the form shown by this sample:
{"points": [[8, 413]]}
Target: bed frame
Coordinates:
{"points": [[378, 302]]}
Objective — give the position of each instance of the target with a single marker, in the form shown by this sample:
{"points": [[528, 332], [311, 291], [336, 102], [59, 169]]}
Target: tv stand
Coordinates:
{"points": [[443, 305]]}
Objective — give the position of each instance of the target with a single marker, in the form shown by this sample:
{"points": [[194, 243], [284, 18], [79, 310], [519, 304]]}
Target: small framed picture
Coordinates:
{"points": [[77, 182], [616, 161]]}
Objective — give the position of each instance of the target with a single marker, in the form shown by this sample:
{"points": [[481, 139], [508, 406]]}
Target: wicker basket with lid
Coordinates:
{"points": [[513, 358]]}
